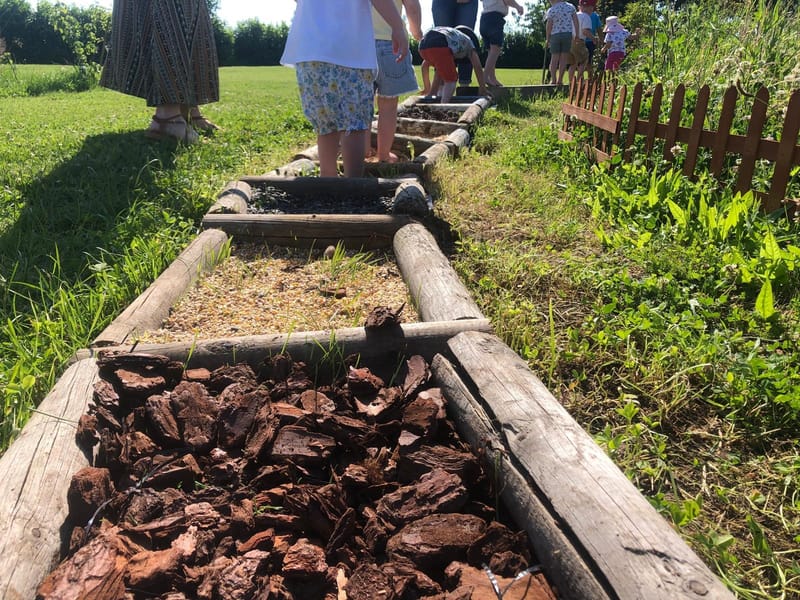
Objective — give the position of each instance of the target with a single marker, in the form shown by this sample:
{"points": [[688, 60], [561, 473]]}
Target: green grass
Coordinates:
{"points": [[91, 212]]}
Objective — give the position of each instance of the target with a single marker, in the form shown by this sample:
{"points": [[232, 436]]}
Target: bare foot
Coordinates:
{"points": [[392, 158]]}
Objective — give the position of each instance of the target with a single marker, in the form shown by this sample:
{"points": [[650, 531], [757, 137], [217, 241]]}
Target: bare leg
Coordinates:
{"points": [[387, 125], [448, 87], [353, 144], [328, 149], [553, 67], [491, 63], [562, 66]]}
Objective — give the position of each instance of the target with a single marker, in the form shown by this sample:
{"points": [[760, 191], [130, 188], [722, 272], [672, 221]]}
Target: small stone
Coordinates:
{"points": [[329, 252]]}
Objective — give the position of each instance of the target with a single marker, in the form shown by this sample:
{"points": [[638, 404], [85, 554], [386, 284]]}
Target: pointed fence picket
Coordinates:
{"points": [[601, 106]]}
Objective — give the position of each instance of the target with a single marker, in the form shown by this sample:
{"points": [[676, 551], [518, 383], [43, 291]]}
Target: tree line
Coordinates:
{"points": [[55, 33]]}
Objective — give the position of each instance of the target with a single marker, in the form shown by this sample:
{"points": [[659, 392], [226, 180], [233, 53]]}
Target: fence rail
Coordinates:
{"points": [[600, 105]]}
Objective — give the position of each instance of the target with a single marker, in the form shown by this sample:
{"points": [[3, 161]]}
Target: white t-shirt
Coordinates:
{"points": [[495, 6], [337, 32], [379, 24], [584, 22], [561, 15]]}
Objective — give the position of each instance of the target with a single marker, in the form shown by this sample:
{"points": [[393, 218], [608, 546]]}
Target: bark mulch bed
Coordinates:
{"points": [[236, 484]]}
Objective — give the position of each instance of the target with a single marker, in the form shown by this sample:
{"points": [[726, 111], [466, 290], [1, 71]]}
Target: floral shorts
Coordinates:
{"points": [[335, 98]]}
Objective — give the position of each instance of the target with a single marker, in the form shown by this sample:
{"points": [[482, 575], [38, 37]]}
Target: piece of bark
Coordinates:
{"points": [[299, 445], [89, 489], [497, 538], [477, 582], [94, 572], [149, 568], [304, 559], [436, 492], [422, 416], [316, 402], [162, 422], [196, 414], [242, 578], [362, 382], [369, 581], [384, 317], [436, 540], [411, 466]]}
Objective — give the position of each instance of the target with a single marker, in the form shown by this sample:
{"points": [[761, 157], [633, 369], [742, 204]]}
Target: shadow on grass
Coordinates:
{"points": [[81, 205]]}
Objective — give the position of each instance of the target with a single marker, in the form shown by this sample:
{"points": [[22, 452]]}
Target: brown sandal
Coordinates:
{"points": [[200, 122], [171, 128]]}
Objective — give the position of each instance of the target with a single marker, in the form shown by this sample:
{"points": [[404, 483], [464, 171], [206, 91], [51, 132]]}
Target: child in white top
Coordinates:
{"points": [[335, 73], [493, 20], [561, 27], [614, 43]]}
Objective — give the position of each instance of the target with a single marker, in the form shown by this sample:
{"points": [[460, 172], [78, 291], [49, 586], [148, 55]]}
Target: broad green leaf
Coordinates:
{"points": [[765, 307]]}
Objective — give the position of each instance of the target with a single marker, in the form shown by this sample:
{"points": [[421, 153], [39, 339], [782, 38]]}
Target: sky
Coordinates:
{"points": [[268, 11]]}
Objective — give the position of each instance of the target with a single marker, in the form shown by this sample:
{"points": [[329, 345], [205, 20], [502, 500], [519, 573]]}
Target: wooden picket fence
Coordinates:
{"points": [[601, 105]]}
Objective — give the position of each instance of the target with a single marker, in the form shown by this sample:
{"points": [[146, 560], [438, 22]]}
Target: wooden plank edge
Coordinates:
{"points": [[426, 339], [234, 198], [37, 470], [561, 561], [152, 306], [639, 552], [436, 289]]}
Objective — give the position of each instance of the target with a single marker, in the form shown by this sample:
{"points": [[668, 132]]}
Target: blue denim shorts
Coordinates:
{"points": [[394, 78], [335, 98]]}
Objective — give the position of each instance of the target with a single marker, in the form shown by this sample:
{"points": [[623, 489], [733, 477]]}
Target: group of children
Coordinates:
{"points": [[339, 78], [573, 36]]}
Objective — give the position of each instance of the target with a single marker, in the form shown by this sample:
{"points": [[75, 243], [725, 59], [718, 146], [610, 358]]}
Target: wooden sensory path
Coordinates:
{"points": [[594, 535]]}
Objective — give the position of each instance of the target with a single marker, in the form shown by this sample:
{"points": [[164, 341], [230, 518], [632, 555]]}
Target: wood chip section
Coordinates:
{"points": [[260, 290]]}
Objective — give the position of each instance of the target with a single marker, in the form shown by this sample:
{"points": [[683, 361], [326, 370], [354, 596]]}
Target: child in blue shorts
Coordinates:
{"points": [[335, 73], [493, 21], [394, 78]]}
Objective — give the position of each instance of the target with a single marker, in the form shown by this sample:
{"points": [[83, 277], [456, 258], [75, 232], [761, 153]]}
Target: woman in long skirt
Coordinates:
{"points": [[164, 52]]}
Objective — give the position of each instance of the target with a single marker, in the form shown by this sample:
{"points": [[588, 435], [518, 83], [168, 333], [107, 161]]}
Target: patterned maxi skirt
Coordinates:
{"points": [[162, 51]]}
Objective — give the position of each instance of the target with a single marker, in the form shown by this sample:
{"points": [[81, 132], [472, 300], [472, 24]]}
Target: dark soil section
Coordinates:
{"points": [[235, 484], [269, 200], [431, 113]]}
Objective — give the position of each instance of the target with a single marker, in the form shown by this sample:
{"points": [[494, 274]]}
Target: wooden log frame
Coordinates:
{"points": [[300, 167], [435, 288], [628, 547], [474, 111], [367, 232], [452, 146], [149, 310], [563, 564], [311, 347], [36, 470], [233, 199]]}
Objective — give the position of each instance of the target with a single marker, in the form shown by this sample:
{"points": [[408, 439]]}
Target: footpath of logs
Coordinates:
{"points": [[596, 536]]}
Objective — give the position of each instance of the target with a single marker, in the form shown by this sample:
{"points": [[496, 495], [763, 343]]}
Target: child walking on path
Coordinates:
{"points": [[394, 78], [440, 48], [561, 29], [332, 47], [493, 20], [616, 36]]}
